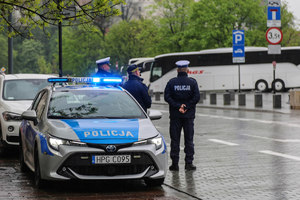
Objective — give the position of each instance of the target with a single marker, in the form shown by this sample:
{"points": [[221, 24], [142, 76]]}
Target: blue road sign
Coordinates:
{"points": [[274, 13], [238, 37], [238, 46], [238, 51]]}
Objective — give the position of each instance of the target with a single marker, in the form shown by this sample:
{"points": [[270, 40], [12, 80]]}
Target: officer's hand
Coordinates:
{"points": [[182, 108]]}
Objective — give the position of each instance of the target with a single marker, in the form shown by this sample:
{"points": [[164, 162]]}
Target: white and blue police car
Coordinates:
{"points": [[90, 132]]}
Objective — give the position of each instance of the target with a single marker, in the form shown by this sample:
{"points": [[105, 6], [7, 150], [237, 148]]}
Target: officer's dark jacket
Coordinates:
{"points": [[103, 73], [182, 90], [138, 90]]}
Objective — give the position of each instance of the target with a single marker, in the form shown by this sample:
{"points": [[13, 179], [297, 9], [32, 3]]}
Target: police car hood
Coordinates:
{"points": [[104, 131], [17, 106]]}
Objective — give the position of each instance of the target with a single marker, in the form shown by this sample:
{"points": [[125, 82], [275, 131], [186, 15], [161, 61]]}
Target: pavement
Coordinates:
{"points": [[197, 185]]}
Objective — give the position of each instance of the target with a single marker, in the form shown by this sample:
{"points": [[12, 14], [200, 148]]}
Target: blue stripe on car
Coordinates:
{"points": [[44, 145], [105, 131], [165, 146]]}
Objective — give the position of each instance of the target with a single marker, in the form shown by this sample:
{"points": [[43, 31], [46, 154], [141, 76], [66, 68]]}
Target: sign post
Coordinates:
{"points": [[274, 38], [238, 50], [274, 34], [274, 15]]}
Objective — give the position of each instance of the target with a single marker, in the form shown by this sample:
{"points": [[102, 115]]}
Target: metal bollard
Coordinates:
{"points": [[242, 99], [201, 97], [204, 94], [213, 98], [232, 95], [157, 96], [226, 98], [151, 93], [276, 100], [258, 100]]}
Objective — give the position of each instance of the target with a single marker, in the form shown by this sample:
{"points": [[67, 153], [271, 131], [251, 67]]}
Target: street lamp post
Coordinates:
{"points": [[59, 41], [10, 47]]}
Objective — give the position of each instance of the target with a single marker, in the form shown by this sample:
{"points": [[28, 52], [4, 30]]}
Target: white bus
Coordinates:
{"points": [[213, 69], [145, 65]]}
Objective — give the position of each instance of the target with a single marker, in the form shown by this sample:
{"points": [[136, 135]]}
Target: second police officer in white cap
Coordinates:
{"points": [[182, 95], [103, 67]]}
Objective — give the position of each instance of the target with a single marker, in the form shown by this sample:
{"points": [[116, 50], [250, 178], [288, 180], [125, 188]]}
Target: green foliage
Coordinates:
{"points": [[173, 23], [212, 22], [81, 49], [38, 13], [3, 52], [45, 67], [290, 34], [130, 39], [27, 60], [184, 25]]}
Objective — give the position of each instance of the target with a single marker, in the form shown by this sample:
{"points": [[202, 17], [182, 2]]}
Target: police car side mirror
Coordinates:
{"points": [[30, 115], [154, 114]]}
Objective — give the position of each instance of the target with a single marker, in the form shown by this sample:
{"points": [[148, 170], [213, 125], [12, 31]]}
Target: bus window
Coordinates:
{"points": [[156, 73], [147, 66]]}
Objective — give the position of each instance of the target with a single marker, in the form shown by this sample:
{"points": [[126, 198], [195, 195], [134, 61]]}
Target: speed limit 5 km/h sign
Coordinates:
{"points": [[274, 35]]}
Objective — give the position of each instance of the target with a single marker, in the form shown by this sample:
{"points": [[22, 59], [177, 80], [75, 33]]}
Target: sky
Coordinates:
{"points": [[294, 7]]}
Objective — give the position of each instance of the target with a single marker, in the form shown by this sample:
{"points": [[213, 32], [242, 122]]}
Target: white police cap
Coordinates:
{"points": [[182, 63], [103, 61]]}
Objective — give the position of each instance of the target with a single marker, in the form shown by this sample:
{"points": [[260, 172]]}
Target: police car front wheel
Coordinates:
{"points": [[23, 166], [38, 181]]}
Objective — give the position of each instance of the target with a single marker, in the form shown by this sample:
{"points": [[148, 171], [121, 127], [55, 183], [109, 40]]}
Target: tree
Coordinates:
{"points": [[212, 21], [81, 50], [3, 52], [290, 34], [173, 23], [29, 14], [128, 10], [125, 40], [27, 59]]}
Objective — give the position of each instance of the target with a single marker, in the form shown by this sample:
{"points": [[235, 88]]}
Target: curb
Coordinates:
{"points": [[231, 108]]}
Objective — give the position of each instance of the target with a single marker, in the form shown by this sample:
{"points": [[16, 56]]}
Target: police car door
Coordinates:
{"points": [[32, 131]]}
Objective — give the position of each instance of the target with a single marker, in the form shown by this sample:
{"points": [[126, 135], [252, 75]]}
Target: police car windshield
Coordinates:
{"points": [[93, 104], [22, 89]]}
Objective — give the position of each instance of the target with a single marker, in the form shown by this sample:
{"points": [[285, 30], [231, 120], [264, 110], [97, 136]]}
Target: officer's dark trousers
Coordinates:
{"points": [[176, 126]]}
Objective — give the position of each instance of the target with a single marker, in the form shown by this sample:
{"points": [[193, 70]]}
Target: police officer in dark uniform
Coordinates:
{"points": [[103, 67], [137, 88], [182, 95]]}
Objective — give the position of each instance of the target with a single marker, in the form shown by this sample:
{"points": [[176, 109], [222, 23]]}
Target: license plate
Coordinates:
{"points": [[111, 159]]}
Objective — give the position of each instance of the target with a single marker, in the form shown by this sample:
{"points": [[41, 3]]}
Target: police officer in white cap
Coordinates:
{"points": [[103, 67], [182, 95]]}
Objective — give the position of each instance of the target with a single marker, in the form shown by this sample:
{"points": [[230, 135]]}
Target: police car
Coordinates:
{"points": [[90, 132], [17, 93]]}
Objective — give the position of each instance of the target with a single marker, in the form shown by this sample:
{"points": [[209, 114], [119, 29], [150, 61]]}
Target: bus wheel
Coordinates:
{"points": [[278, 85], [261, 85]]}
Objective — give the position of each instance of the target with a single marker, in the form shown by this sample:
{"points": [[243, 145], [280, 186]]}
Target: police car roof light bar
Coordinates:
{"points": [[96, 80], [58, 80]]}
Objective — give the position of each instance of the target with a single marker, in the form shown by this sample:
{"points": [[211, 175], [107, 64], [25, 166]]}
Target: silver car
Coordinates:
{"points": [[90, 132]]}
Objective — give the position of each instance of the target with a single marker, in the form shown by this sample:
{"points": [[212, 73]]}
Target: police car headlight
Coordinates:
{"points": [[56, 142], [157, 141]]}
